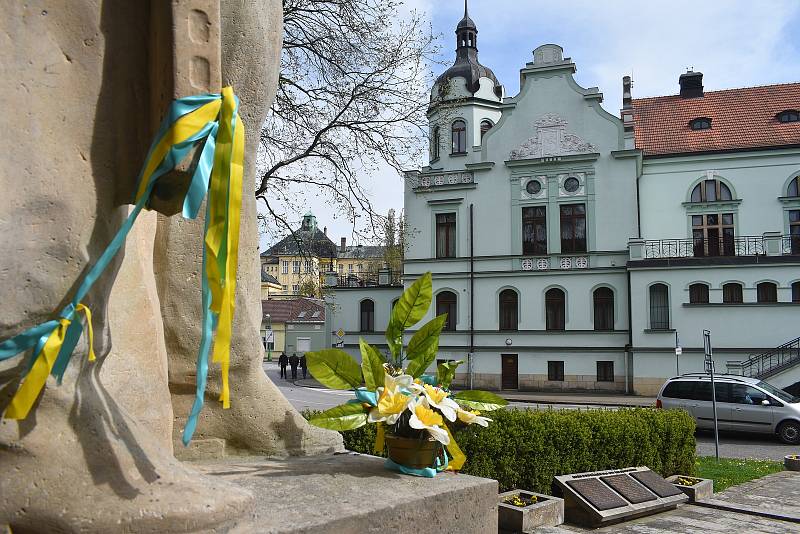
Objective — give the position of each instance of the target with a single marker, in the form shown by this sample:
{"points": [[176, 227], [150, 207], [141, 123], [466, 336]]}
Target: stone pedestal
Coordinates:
{"points": [[346, 493], [547, 511], [702, 490]]}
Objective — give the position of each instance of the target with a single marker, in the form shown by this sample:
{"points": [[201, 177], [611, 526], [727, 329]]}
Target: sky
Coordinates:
{"points": [[733, 43]]}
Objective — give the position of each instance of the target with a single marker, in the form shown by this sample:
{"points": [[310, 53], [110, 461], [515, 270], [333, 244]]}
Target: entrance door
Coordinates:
{"points": [[510, 374], [303, 344]]}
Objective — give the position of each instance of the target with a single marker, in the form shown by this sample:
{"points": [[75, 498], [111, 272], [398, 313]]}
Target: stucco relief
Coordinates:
{"points": [[551, 139]]}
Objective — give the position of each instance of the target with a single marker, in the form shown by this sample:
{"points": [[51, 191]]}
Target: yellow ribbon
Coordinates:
{"points": [[29, 391], [379, 439], [88, 313], [457, 458]]}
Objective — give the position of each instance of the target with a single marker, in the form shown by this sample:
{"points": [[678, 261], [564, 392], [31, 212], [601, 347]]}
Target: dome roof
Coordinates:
{"points": [[466, 65]]}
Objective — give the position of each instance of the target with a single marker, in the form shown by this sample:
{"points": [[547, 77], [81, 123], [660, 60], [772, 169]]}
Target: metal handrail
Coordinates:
{"points": [[771, 362], [700, 247], [790, 244], [367, 279]]}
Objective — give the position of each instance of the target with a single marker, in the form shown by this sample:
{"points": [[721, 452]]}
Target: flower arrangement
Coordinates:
{"points": [[521, 502], [687, 481], [413, 411]]}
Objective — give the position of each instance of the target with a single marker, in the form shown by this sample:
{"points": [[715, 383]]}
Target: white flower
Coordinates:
{"points": [[422, 417], [438, 398], [472, 418]]}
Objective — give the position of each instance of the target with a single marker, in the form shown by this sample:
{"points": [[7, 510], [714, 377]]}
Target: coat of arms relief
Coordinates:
{"points": [[551, 139]]}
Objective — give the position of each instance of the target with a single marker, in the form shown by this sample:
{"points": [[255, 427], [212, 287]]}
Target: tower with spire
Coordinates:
{"points": [[465, 102]]}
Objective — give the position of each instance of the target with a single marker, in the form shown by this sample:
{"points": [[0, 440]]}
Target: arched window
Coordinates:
{"points": [[796, 292], [436, 142], [732, 293], [790, 115], [767, 292], [711, 191], [794, 187], [702, 123], [698, 294], [486, 125], [367, 316], [659, 307], [446, 303], [459, 132], [555, 309], [603, 309], [509, 318]]}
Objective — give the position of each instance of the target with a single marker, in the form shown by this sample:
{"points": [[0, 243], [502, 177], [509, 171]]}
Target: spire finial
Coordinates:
{"points": [[465, 8]]}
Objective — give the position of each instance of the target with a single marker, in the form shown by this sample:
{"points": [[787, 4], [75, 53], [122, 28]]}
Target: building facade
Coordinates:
{"points": [[568, 246]]}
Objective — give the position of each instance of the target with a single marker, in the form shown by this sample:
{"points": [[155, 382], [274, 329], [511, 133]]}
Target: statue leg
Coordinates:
{"points": [[260, 420]]}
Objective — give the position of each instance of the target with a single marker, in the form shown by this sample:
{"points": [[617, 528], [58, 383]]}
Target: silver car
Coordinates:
{"points": [[743, 404]]}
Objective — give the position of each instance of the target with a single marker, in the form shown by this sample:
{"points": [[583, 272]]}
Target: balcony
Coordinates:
{"points": [[381, 278], [769, 244]]}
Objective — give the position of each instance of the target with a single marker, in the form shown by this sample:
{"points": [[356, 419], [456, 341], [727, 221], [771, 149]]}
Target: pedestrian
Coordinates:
{"points": [[303, 365], [294, 361], [283, 361]]}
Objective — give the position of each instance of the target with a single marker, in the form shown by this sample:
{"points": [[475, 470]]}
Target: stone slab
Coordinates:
{"points": [[604, 497], [346, 493], [548, 511], [776, 495]]}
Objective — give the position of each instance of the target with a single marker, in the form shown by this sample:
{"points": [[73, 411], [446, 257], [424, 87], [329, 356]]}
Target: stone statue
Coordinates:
{"points": [[84, 84]]}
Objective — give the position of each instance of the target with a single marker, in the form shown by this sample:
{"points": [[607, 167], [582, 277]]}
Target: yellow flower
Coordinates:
{"points": [[472, 418], [438, 398], [390, 406], [423, 417]]}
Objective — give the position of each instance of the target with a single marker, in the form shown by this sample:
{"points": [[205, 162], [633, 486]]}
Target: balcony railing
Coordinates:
{"points": [[369, 279], [710, 248]]}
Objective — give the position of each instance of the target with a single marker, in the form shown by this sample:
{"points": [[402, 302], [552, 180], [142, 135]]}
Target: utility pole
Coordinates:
{"points": [[678, 352], [709, 363]]}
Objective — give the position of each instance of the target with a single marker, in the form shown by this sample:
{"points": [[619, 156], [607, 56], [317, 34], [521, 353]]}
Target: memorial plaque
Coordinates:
{"points": [[598, 494], [629, 488], [656, 484]]}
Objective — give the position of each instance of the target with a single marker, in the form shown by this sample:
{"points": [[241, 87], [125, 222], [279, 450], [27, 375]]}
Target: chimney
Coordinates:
{"points": [[344, 245], [691, 84], [325, 230], [627, 112]]}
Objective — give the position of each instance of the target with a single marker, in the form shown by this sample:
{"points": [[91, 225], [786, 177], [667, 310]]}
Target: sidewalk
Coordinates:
{"points": [[546, 397]]}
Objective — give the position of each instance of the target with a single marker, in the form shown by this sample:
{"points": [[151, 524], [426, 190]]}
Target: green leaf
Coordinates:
{"points": [[446, 371], [484, 401], [343, 417], [371, 365], [334, 368], [394, 336], [423, 346], [413, 304]]}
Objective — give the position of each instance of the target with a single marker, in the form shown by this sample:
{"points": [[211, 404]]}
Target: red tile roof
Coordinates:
{"points": [[289, 310], [740, 119]]}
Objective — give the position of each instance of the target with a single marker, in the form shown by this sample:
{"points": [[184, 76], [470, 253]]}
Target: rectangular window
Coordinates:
{"points": [[555, 371], [534, 230], [659, 307], [573, 228], [794, 231], [698, 294], [309, 266], [445, 235], [341, 268], [285, 288], [350, 268], [605, 371], [713, 234], [296, 266], [285, 267], [360, 268], [296, 289]]}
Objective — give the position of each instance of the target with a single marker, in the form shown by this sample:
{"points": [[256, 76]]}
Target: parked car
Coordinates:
{"points": [[743, 404]]}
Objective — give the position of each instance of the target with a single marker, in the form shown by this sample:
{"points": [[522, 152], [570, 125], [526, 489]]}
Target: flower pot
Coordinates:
{"points": [[792, 462], [701, 489], [547, 511], [412, 452]]}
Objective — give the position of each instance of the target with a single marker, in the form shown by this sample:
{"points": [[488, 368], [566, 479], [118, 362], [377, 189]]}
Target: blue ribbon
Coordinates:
{"points": [[364, 395], [426, 472]]}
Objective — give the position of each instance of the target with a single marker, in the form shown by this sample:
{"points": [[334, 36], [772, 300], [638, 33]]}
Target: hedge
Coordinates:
{"points": [[527, 448]]}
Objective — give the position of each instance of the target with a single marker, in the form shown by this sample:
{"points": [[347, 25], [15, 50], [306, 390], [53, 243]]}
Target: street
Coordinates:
{"points": [[731, 445]]}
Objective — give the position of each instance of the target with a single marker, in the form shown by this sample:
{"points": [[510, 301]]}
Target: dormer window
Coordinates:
{"points": [[790, 115], [711, 191], [702, 123]]}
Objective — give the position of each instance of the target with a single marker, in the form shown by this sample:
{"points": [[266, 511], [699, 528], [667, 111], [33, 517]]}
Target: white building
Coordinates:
{"points": [[549, 223]]}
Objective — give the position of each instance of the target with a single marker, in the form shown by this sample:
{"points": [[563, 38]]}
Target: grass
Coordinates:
{"points": [[732, 471]]}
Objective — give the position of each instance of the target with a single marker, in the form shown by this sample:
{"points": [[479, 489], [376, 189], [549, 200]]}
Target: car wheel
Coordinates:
{"points": [[789, 432]]}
